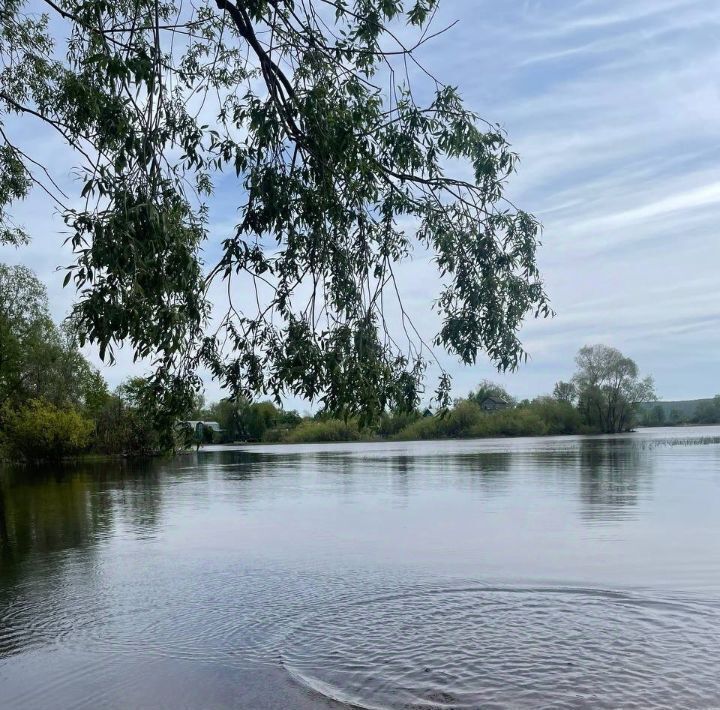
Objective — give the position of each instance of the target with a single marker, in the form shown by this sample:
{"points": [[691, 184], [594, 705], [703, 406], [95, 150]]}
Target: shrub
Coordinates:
{"points": [[425, 428], [455, 424], [467, 420], [509, 422], [391, 424], [324, 430], [40, 430], [124, 429], [560, 417]]}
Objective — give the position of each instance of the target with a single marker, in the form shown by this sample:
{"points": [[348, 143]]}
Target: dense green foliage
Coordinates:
{"points": [[248, 421], [487, 389], [132, 424], [565, 391], [40, 430], [340, 172], [708, 412], [53, 402], [609, 388], [324, 430], [38, 360], [49, 393], [606, 387]]}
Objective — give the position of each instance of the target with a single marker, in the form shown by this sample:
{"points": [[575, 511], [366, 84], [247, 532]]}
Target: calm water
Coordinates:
{"points": [[554, 572]]}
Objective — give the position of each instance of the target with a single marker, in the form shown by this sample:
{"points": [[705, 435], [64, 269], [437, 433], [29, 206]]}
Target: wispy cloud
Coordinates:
{"points": [[614, 108]]}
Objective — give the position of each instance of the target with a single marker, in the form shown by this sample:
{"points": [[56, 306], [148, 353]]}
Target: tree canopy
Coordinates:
{"points": [[609, 388], [565, 391], [486, 389], [38, 360], [341, 172]]}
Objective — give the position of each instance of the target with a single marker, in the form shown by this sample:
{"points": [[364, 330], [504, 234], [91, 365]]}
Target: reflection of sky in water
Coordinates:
{"points": [[211, 558]]}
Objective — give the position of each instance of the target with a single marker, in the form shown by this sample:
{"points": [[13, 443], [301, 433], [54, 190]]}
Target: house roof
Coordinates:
{"points": [[193, 423]]}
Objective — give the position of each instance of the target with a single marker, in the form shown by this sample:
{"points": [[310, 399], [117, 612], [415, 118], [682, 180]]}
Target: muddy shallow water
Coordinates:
{"points": [[549, 572]]}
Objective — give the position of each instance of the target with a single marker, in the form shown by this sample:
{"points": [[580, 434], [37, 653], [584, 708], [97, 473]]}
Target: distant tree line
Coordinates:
{"points": [[704, 411], [54, 403], [602, 397]]}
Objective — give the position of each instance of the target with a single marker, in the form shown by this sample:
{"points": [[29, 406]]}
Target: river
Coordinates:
{"points": [[540, 572]]}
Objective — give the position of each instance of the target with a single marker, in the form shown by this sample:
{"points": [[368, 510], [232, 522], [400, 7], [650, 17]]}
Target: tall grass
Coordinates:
{"points": [[311, 430]]}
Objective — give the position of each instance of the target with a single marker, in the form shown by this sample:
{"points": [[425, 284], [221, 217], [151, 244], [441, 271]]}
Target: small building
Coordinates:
{"points": [[198, 429], [494, 404]]}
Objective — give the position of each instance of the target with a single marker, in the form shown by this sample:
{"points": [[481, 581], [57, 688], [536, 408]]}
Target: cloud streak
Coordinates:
{"points": [[613, 108]]}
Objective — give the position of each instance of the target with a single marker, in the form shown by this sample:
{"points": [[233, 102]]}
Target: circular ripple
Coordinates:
{"points": [[485, 647]]}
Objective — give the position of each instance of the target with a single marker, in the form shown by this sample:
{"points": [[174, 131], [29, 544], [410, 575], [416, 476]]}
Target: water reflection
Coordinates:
{"points": [[48, 513], [74, 506], [532, 565], [608, 477], [613, 479]]}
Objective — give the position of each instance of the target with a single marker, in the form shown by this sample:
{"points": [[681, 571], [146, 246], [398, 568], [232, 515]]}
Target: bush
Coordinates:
{"points": [[124, 429], [40, 430], [467, 420], [509, 422], [425, 428], [560, 417], [454, 424], [392, 424], [323, 430]]}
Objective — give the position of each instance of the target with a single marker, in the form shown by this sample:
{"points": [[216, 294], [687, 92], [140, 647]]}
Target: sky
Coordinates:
{"points": [[613, 108]]}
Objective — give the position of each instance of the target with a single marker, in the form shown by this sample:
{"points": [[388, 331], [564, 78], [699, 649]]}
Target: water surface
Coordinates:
{"points": [[543, 572]]}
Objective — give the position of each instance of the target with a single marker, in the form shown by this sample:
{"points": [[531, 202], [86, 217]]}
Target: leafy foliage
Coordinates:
{"points": [[558, 415], [609, 388], [565, 391], [37, 359], [40, 430], [338, 180], [468, 420], [489, 389], [708, 412], [325, 430]]}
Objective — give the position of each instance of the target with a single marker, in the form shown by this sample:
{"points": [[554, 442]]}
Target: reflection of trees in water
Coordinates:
{"points": [[47, 515], [46, 510], [484, 470], [609, 475], [614, 475], [487, 471], [137, 494], [357, 471]]}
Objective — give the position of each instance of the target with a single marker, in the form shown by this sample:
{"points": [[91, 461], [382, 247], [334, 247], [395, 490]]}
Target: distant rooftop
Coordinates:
{"points": [[193, 424]]}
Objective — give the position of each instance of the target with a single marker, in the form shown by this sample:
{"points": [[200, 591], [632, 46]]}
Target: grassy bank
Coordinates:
{"points": [[466, 420]]}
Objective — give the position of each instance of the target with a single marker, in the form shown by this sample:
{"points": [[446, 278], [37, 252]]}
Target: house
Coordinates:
{"points": [[494, 404], [199, 429]]}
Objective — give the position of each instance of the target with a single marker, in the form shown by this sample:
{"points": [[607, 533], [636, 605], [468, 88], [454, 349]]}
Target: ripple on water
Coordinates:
{"points": [[421, 647], [485, 647]]}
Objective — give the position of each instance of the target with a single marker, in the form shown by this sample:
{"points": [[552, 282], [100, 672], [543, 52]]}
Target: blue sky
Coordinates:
{"points": [[614, 108]]}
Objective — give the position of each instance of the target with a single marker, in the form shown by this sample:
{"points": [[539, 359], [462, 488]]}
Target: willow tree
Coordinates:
{"points": [[609, 388], [340, 172]]}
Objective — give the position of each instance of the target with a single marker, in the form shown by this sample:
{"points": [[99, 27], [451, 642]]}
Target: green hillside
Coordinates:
{"points": [[678, 411]]}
